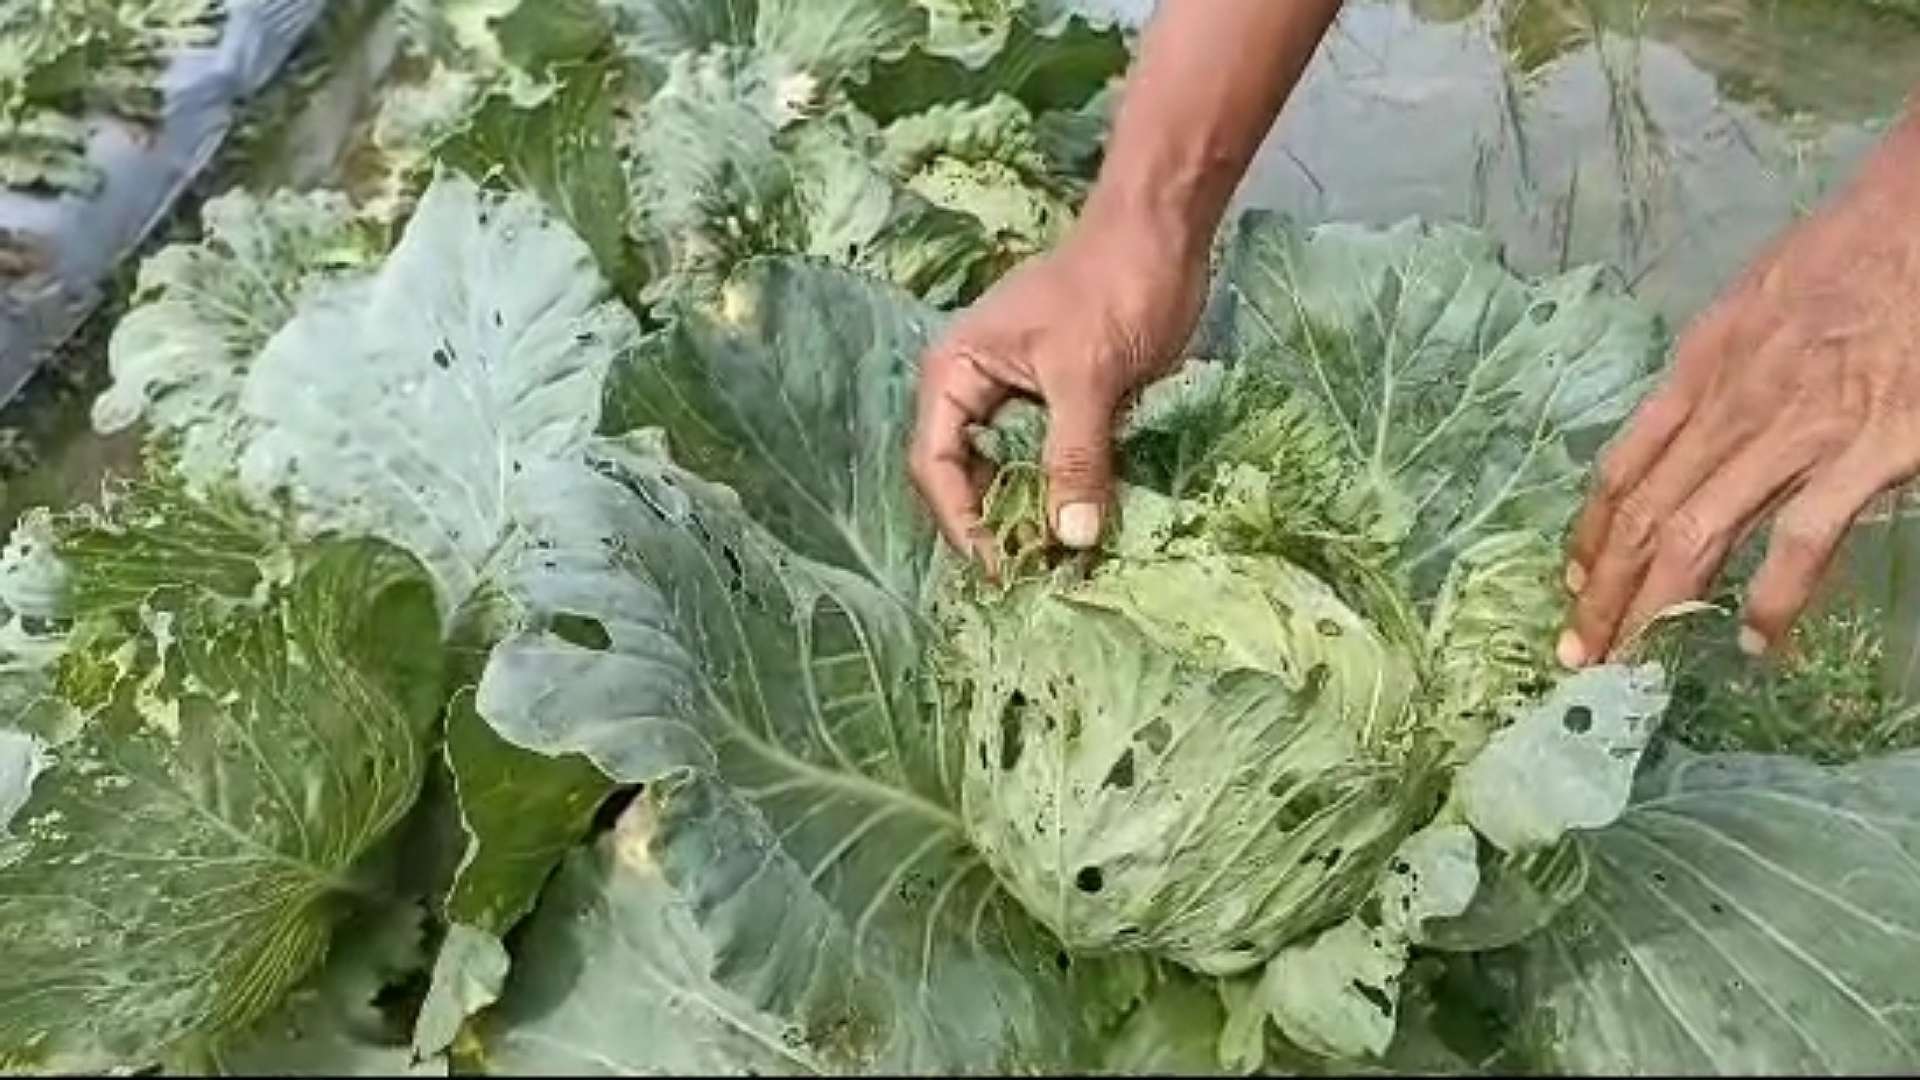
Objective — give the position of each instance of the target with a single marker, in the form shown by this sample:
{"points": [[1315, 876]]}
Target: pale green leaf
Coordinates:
{"points": [[468, 974], [409, 406], [1492, 633], [1339, 994], [1748, 915], [1568, 762], [204, 310]]}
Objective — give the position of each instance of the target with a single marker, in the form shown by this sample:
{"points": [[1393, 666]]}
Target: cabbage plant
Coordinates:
{"points": [[504, 665]]}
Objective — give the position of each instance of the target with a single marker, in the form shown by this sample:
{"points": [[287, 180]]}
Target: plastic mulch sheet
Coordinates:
{"points": [[59, 249]]}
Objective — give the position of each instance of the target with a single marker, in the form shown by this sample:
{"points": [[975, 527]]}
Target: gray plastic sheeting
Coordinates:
{"points": [[71, 243]]}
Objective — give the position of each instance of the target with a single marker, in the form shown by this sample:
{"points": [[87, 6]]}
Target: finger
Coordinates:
{"points": [[1079, 457], [1806, 536], [1633, 534], [1642, 440], [1693, 543], [953, 394], [1651, 430]]}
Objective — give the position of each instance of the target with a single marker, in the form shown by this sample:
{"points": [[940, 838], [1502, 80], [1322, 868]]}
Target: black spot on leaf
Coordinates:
{"points": [[1375, 996], [1579, 720], [1089, 879], [1121, 775]]}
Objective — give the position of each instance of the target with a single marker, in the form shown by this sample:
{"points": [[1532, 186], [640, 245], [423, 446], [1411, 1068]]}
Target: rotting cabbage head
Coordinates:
{"points": [[1182, 746]]}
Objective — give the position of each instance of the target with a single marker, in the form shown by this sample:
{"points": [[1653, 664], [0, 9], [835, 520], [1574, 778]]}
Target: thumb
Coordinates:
{"points": [[1079, 462]]}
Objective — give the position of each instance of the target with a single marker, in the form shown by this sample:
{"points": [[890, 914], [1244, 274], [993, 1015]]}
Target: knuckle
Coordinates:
{"points": [[1688, 539], [1637, 521], [1075, 462], [1804, 539]]}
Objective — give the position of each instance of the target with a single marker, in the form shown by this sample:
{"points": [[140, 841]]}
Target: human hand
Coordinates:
{"points": [[1080, 329], [1799, 389]]}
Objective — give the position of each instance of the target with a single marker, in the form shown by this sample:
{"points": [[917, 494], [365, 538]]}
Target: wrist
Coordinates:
{"points": [[1172, 210]]}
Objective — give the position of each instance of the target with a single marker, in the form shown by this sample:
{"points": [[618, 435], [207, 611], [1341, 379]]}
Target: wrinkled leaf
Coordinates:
{"points": [[184, 857], [1748, 915], [1455, 382]]}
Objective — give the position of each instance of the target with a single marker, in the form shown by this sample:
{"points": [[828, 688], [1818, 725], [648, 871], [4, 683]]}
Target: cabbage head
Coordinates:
{"points": [[1185, 748]]}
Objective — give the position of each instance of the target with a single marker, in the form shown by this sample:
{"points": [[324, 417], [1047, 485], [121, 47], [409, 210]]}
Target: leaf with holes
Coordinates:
{"points": [[669, 633], [1749, 914]]}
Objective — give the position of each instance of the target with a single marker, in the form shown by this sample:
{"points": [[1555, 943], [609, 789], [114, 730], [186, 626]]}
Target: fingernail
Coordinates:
{"points": [[1078, 525], [1576, 578], [1752, 642], [1571, 652]]}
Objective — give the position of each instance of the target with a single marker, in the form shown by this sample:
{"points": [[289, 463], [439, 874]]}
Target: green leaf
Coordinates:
{"points": [[619, 980], [696, 640], [410, 405], [1040, 52], [797, 395], [1748, 915], [334, 1025], [183, 859], [1519, 895], [1174, 1032], [560, 148], [1455, 382], [520, 813], [1492, 633], [468, 974], [819, 41], [1568, 763], [1339, 994], [204, 310]]}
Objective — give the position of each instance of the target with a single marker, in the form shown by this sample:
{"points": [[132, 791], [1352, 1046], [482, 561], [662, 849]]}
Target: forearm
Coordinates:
{"points": [[1210, 79]]}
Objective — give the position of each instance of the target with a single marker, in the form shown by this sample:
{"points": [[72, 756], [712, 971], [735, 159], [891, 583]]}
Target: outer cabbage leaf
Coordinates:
{"points": [[1338, 995], [817, 42], [796, 395], [722, 174], [700, 642], [560, 148], [409, 405], [1044, 53], [521, 813], [1749, 914], [1455, 383], [204, 310], [1568, 762], [183, 859]]}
